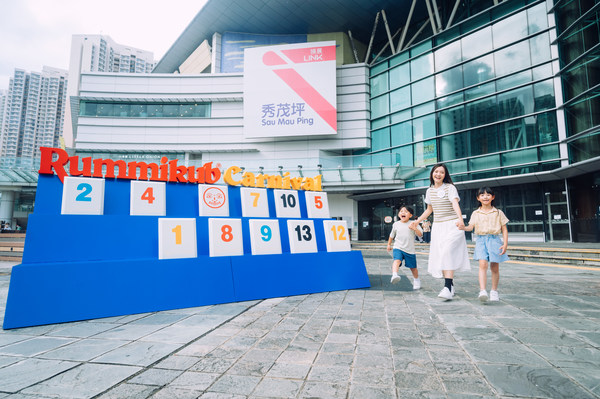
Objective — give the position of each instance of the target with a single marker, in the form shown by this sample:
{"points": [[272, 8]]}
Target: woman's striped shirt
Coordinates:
{"points": [[440, 200]]}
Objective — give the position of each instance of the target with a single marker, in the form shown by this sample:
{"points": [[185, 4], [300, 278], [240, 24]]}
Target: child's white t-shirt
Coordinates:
{"points": [[404, 238]]}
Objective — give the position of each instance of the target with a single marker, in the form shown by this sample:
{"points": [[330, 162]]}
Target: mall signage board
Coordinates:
{"points": [[290, 90]]}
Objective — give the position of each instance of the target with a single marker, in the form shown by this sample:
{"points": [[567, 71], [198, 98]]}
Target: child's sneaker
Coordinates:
{"points": [[416, 284], [494, 296], [446, 294], [395, 279], [483, 296]]}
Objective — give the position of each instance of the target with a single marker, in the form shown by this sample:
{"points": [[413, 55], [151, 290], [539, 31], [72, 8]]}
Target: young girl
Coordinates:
{"points": [[488, 223], [448, 249], [403, 238]]}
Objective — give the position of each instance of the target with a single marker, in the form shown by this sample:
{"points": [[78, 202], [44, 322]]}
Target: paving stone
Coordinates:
{"points": [[194, 380], [564, 356], [289, 370], [314, 389], [372, 376], [277, 388], [137, 353], [84, 381], [504, 353], [329, 373], [81, 330], [129, 391], [466, 385], [34, 346], [418, 381], [371, 392], [83, 350], [28, 372], [528, 381], [170, 392], [235, 384], [154, 376]]}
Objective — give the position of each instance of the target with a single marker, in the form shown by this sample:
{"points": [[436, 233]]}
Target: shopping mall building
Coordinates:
{"points": [[504, 92]]}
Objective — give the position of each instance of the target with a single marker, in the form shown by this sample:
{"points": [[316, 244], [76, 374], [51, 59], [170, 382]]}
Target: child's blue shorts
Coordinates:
{"points": [[410, 260], [487, 247]]}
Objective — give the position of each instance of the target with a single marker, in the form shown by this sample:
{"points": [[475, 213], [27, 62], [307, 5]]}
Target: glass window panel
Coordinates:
{"points": [[423, 127], [540, 49], [512, 59], [425, 153], [104, 110], [401, 116], [481, 112], [403, 155], [420, 48], [477, 43], [457, 167], [480, 91], [155, 110], [138, 110], [400, 75], [88, 108], [509, 30], [380, 106], [377, 123], [449, 81], [544, 95], [422, 90], [170, 110], [517, 133], [478, 70], [399, 59], [537, 18], [381, 158], [549, 152], [201, 110], [454, 146], [402, 133], [421, 66], [424, 109], [447, 56], [121, 110], [545, 127], [515, 103], [488, 162], [452, 120], [520, 157], [400, 99], [379, 84], [382, 66], [380, 139], [514, 80], [542, 72], [450, 100], [484, 140]]}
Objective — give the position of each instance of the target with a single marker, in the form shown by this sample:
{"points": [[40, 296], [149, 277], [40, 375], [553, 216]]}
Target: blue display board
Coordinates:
{"points": [[85, 266]]}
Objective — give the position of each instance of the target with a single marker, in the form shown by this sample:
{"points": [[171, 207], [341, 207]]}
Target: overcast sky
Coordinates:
{"points": [[34, 33]]}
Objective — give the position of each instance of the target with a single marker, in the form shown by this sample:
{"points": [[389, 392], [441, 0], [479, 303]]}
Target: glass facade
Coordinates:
{"points": [[144, 110], [480, 98], [578, 39]]}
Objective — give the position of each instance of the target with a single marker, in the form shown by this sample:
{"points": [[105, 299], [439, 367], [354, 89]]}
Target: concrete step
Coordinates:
{"points": [[537, 254], [11, 247]]}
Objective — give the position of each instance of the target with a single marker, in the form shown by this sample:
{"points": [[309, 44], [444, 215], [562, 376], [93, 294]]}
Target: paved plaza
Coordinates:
{"points": [[541, 340]]}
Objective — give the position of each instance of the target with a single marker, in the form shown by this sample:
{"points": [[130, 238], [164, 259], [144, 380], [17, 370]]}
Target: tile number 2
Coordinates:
{"points": [[86, 191]]}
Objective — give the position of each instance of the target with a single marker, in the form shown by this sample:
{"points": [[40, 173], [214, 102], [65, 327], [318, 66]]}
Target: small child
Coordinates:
{"points": [[403, 235], [488, 223]]}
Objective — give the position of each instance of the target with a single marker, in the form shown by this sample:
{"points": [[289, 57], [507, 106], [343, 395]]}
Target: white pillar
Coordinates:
{"points": [[7, 203]]}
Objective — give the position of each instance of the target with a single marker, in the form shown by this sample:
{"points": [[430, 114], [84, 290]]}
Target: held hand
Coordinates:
{"points": [[413, 225], [460, 224], [503, 249]]}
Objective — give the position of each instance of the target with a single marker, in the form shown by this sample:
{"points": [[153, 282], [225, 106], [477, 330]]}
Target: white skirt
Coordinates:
{"points": [[448, 249]]}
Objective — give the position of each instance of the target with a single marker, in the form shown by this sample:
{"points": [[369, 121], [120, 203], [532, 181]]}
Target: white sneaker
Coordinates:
{"points": [[452, 290], [446, 294], [395, 279], [416, 284], [494, 296], [483, 296]]}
